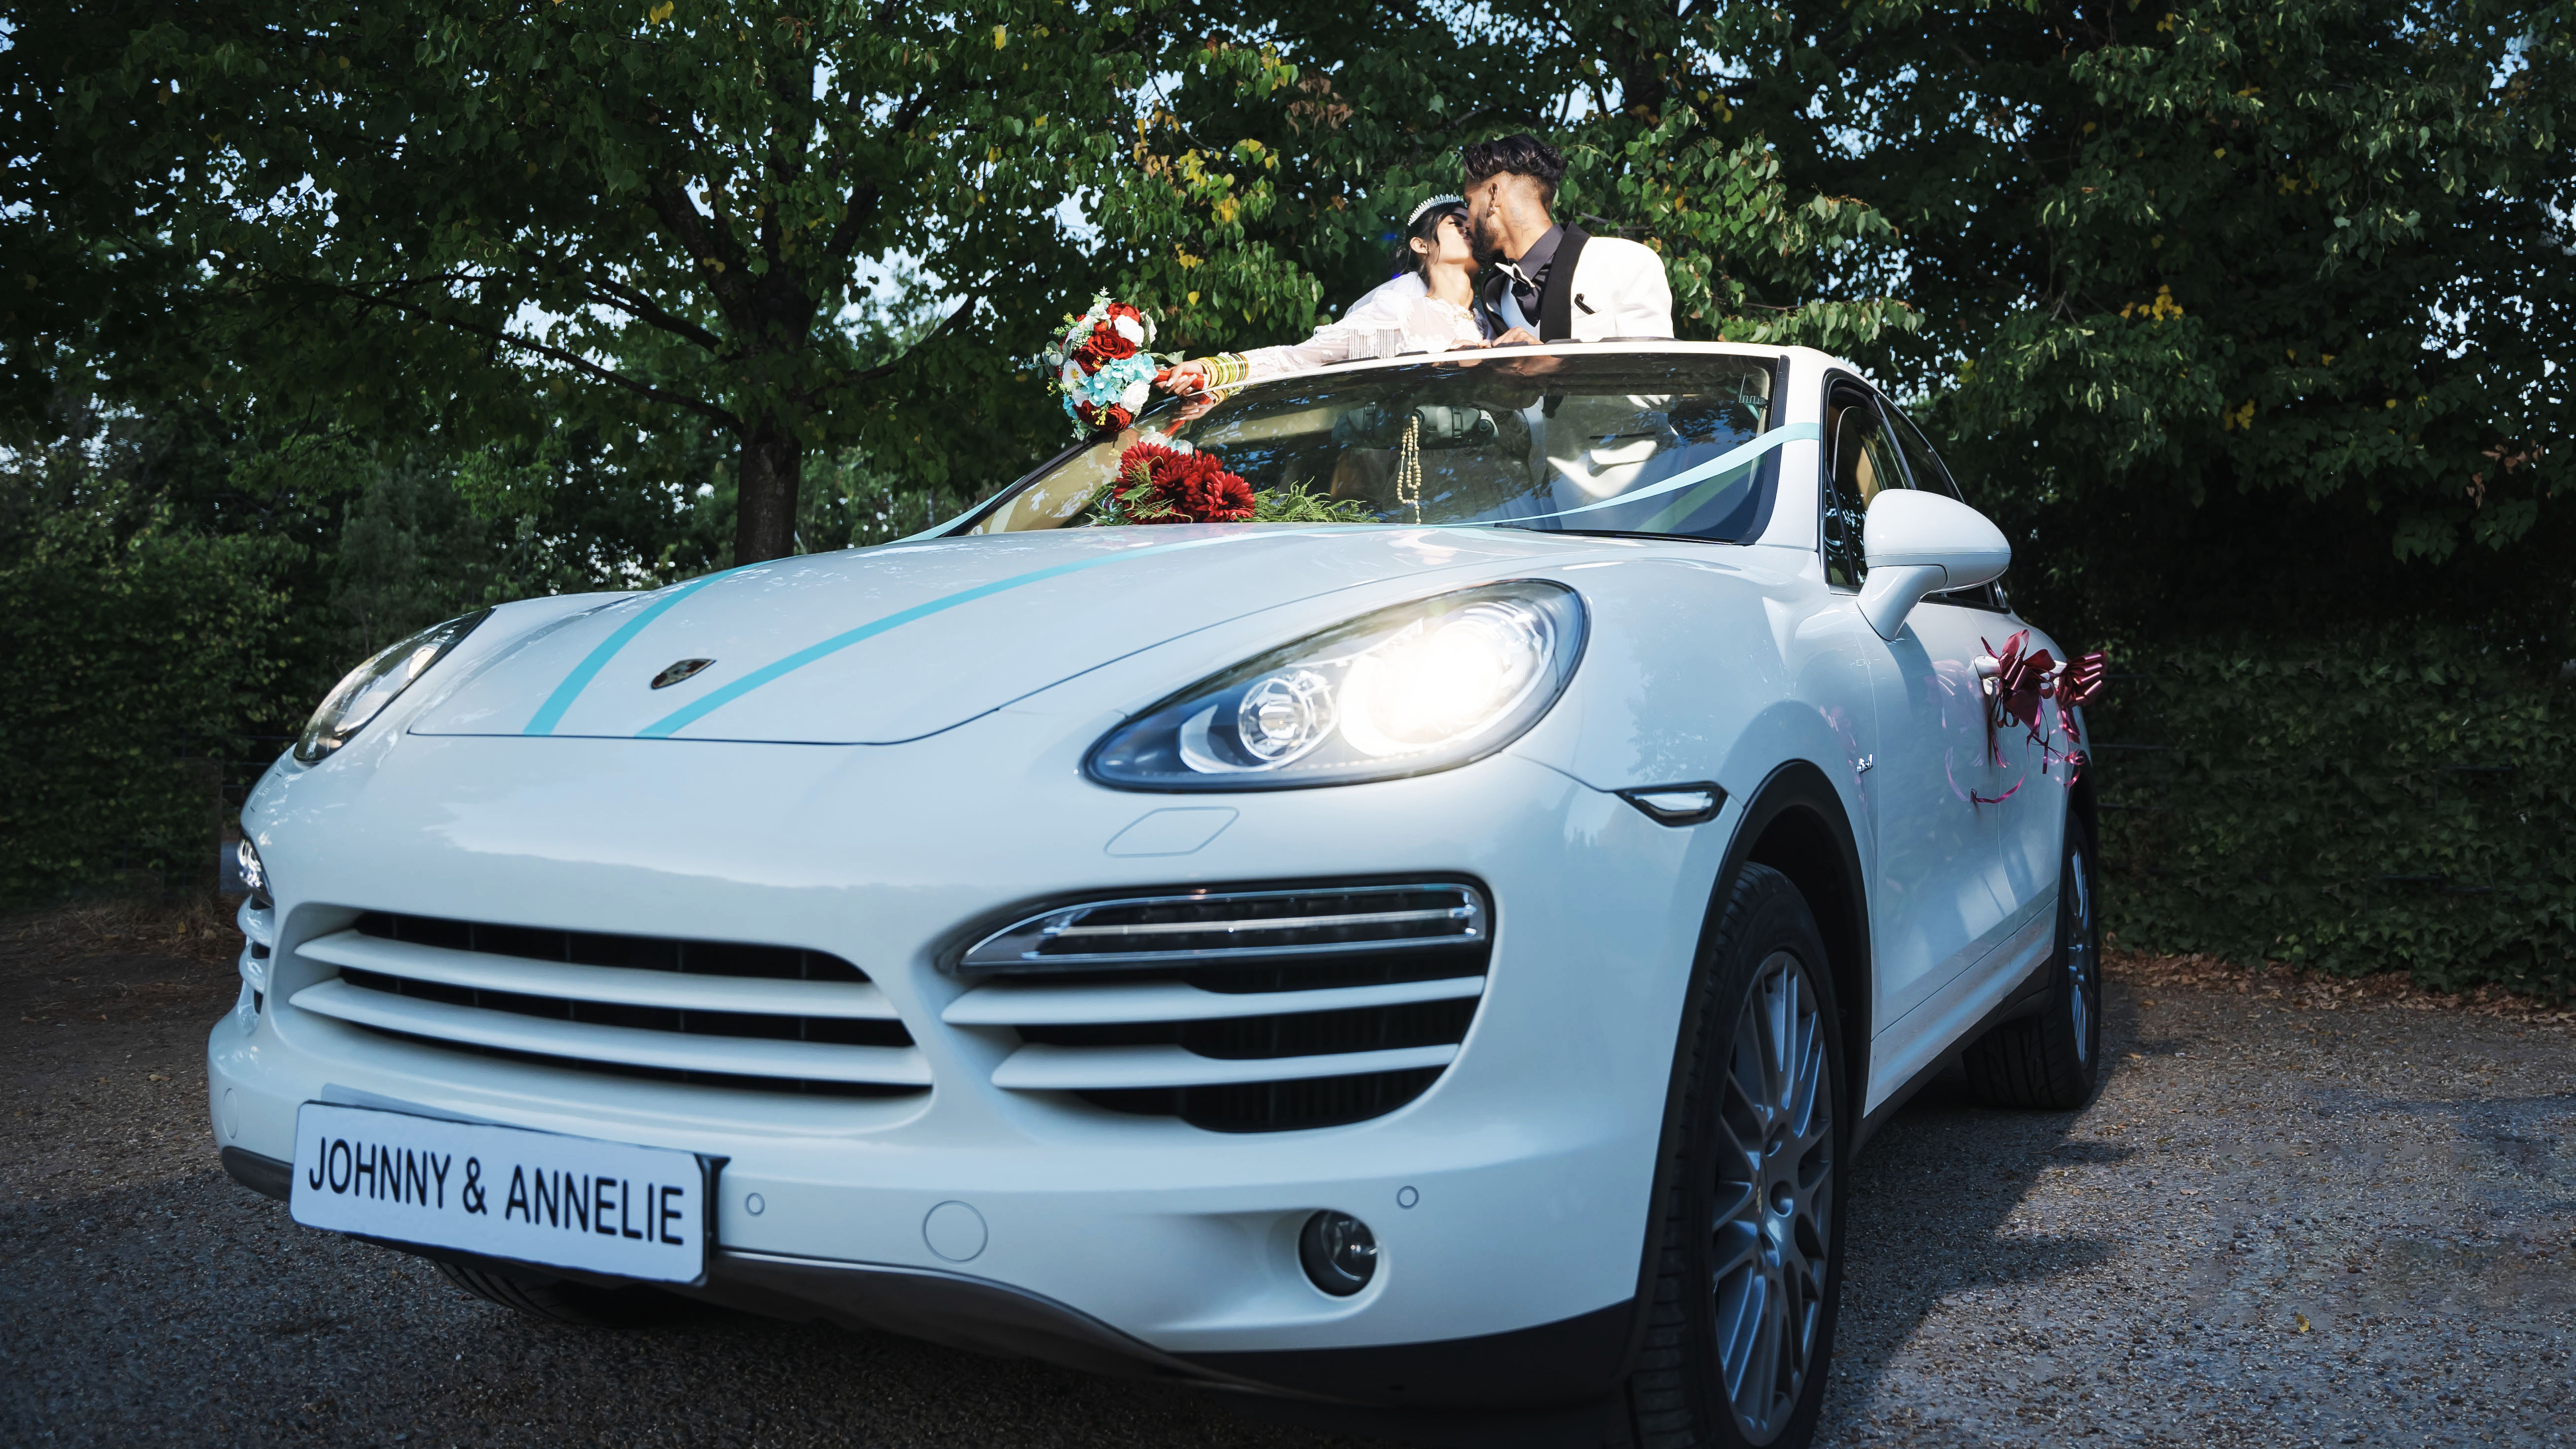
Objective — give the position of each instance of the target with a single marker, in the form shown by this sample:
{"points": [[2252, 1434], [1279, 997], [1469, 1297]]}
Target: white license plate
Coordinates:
{"points": [[504, 1192]]}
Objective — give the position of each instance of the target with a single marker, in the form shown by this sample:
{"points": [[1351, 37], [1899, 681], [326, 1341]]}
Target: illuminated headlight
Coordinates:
{"points": [[1405, 691], [363, 692]]}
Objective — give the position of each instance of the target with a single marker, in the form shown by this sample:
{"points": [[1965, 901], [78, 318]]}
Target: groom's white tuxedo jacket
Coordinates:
{"points": [[1618, 290], [1601, 287]]}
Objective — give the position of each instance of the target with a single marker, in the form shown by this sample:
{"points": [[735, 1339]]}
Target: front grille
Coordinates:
{"points": [[589, 948], [1237, 1011], [708, 1013], [1275, 1106], [1233, 925], [643, 1018], [1261, 1038]]}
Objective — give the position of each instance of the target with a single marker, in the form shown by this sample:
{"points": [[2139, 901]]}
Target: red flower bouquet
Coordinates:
{"points": [[1168, 483], [1108, 341], [1102, 368]]}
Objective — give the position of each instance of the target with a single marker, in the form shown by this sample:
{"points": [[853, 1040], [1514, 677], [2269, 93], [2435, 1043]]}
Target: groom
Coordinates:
{"points": [[1558, 283]]}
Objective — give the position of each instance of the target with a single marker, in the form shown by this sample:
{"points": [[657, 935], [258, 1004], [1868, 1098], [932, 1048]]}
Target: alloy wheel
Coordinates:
{"points": [[1773, 1199]]}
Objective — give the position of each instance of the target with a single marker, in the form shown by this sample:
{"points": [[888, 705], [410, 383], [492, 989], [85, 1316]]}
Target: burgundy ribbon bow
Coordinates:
{"points": [[2019, 678]]}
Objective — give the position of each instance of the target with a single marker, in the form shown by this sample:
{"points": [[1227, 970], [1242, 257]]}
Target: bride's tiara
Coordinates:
{"points": [[1426, 206]]}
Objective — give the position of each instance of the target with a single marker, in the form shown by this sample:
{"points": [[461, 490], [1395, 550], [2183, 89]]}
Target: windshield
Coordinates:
{"points": [[1619, 443]]}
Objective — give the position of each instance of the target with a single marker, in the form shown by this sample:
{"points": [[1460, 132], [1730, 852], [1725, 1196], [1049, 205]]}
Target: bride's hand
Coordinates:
{"points": [[1517, 337], [1184, 377]]}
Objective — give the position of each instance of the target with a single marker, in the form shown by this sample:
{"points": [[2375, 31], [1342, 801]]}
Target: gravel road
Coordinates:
{"points": [[2290, 1219]]}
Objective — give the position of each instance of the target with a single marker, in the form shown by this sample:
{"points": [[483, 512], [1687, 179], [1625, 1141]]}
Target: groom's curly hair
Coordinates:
{"points": [[1521, 155]]}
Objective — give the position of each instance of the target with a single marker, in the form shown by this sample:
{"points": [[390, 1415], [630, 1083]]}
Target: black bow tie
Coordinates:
{"points": [[1524, 286]]}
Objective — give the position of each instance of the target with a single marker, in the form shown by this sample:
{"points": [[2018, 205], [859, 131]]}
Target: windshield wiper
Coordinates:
{"points": [[1609, 532]]}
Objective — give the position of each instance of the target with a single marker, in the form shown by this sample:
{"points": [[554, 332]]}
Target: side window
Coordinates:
{"points": [[1926, 464], [1929, 473], [1861, 462]]}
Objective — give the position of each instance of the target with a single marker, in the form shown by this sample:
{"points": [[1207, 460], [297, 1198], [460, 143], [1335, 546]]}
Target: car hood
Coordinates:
{"points": [[882, 645]]}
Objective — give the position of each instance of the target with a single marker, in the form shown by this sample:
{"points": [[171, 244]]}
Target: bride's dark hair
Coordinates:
{"points": [[1425, 225]]}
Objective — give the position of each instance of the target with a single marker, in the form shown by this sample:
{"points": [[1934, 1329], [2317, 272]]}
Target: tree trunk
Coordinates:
{"points": [[773, 463]]}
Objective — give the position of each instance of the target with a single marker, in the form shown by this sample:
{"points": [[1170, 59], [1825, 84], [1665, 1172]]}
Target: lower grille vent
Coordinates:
{"points": [[1275, 1106], [1245, 1011], [1263, 1038], [588, 948], [708, 1013], [804, 1086], [846, 1031]]}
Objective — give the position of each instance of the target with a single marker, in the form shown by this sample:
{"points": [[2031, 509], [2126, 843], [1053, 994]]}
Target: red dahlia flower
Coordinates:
{"points": [[1206, 492], [1163, 485]]}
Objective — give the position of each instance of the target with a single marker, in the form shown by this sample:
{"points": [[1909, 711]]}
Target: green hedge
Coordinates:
{"points": [[126, 655], [2385, 802]]}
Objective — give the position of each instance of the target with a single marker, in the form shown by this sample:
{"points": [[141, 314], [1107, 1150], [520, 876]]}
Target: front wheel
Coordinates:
{"points": [[2053, 1060], [1750, 1255]]}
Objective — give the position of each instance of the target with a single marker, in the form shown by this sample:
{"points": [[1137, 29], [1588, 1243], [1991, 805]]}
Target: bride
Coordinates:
{"points": [[1429, 307]]}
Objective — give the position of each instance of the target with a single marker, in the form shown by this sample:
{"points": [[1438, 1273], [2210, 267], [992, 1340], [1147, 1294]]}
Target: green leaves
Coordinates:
{"points": [[133, 644], [2392, 799], [639, 213], [1733, 239], [2221, 307]]}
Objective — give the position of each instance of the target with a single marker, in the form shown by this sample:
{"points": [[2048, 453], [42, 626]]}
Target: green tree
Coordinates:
{"points": [[619, 214], [1338, 122], [2239, 309], [138, 643]]}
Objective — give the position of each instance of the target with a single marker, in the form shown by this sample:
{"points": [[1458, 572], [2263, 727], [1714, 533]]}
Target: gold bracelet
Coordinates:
{"points": [[1226, 369]]}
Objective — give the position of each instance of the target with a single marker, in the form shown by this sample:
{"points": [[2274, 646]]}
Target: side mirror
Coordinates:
{"points": [[1921, 543]]}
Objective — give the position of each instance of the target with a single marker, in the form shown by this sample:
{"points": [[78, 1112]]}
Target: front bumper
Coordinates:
{"points": [[1564, 1363], [1510, 1198]]}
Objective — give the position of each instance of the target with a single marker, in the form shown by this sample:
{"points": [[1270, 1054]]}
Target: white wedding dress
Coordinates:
{"points": [[1394, 319]]}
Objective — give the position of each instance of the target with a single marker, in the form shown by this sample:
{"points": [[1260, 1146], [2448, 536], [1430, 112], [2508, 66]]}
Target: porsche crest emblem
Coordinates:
{"points": [[684, 669]]}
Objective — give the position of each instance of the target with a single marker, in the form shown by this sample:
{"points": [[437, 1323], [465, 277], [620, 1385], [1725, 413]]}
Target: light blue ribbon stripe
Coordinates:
{"points": [[716, 699], [551, 713]]}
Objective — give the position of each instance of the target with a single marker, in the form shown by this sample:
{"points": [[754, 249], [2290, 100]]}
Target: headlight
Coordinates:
{"points": [[363, 692], [1405, 691]]}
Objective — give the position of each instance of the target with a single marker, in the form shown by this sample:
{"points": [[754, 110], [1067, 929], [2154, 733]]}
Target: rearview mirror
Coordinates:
{"points": [[1380, 425], [1921, 543]]}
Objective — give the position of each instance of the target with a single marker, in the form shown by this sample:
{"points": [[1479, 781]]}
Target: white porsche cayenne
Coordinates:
{"points": [[1432, 971]]}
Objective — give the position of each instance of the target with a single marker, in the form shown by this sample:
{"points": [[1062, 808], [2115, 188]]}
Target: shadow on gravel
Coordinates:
{"points": [[190, 1312], [1930, 1197]]}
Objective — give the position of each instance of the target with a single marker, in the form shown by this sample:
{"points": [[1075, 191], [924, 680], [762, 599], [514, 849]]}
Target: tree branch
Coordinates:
{"points": [[573, 360], [871, 374], [635, 304], [864, 199]]}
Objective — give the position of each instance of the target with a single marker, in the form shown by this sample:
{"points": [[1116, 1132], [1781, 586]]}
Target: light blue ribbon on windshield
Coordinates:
{"points": [[1726, 462], [679, 719]]}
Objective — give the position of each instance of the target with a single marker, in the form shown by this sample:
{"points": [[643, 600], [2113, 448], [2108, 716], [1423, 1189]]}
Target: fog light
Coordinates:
{"points": [[1339, 1252], [254, 876]]}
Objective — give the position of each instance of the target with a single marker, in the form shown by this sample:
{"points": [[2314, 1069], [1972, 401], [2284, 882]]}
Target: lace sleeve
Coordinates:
{"points": [[1393, 320]]}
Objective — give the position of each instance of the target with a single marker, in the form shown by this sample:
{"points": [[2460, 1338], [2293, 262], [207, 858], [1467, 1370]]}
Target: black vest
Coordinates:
{"points": [[1556, 304]]}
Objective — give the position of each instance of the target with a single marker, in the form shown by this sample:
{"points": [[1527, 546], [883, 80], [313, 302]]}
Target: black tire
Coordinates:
{"points": [[2052, 1060], [1750, 1229], [561, 1300]]}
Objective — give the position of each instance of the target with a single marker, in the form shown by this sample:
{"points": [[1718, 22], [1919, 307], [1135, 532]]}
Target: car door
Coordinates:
{"points": [[1934, 909], [2032, 808]]}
